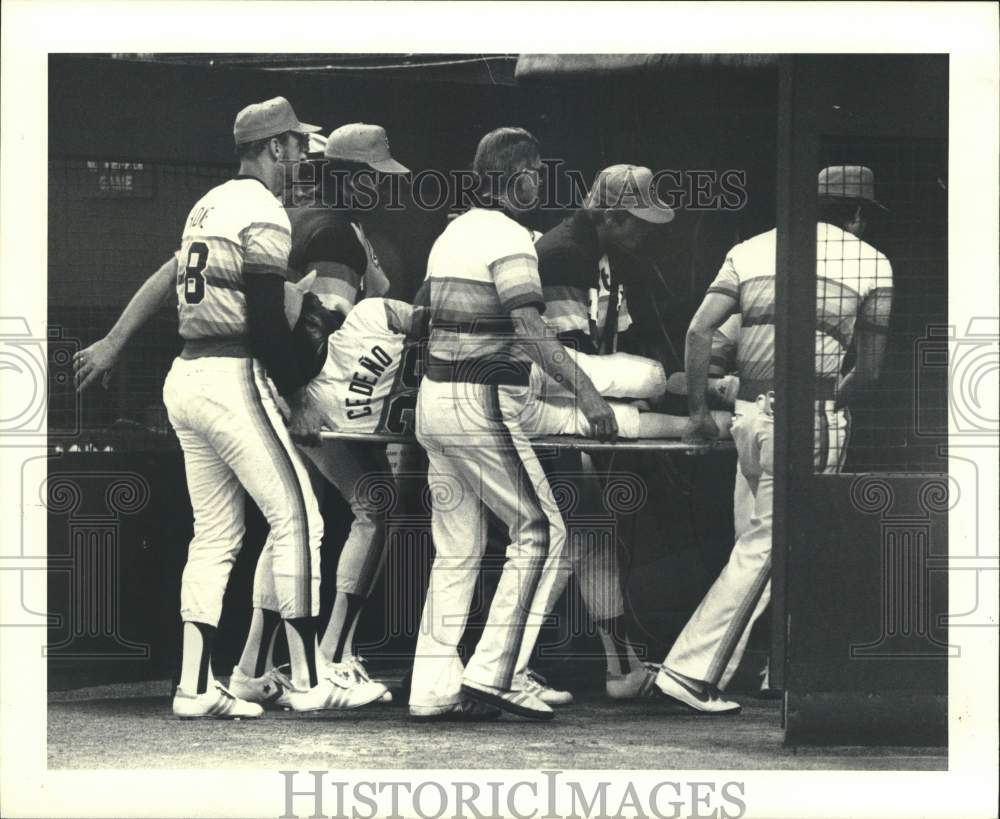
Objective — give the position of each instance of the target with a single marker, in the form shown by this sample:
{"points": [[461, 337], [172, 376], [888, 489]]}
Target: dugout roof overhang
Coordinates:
{"points": [[544, 67]]}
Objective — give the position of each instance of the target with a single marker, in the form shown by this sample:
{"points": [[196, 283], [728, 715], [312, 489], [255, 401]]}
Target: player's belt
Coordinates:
{"points": [[233, 347], [750, 389], [490, 370]]}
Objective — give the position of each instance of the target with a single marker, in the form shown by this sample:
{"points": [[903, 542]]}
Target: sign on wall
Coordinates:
{"points": [[109, 179]]}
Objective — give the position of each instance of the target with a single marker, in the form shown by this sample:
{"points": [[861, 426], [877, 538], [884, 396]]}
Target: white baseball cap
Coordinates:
{"points": [[630, 188], [360, 142]]}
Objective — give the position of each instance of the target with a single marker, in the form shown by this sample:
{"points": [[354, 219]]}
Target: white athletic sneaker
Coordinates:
{"points": [[335, 690], [514, 702], [704, 702], [638, 683], [535, 683], [268, 689], [355, 666], [216, 703]]}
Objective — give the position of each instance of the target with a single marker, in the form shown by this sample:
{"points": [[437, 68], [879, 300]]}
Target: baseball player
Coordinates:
{"points": [[486, 329], [854, 297], [229, 275], [583, 267], [367, 384], [334, 255]]}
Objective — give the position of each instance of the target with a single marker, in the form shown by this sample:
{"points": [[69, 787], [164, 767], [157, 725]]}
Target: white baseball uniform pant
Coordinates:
{"points": [[714, 640], [592, 560], [361, 474], [234, 439], [555, 412], [479, 457]]}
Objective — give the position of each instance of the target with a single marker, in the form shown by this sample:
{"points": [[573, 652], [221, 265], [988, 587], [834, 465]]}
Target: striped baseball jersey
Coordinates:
{"points": [[237, 229], [576, 283], [326, 235], [854, 280], [480, 269], [369, 381]]}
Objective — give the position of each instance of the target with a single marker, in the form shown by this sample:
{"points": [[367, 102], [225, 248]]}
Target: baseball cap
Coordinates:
{"points": [[268, 119], [360, 142], [317, 145], [848, 182], [629, 187]]}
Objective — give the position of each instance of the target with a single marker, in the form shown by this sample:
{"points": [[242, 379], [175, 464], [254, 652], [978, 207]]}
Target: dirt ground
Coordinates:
{"points": [[130, 726]]}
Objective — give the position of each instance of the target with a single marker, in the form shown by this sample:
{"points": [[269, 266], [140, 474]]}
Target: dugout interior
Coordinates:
{"points": [[118, 195]]}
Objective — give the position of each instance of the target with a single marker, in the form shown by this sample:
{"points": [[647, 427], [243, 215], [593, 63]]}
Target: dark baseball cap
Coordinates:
{"points": [[268, 119]]}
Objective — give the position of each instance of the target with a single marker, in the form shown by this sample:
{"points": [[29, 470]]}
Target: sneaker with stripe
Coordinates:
{"points": [[702, 701], [535, 683], [216, 703], [267, 689], [355, 666], [336, 691], [521, 703], [638, 683]]}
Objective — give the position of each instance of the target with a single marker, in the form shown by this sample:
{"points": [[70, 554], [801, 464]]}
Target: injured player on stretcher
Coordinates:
{"points": [[369, 377]]}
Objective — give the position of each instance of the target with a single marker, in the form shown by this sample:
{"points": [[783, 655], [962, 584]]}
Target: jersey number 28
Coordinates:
{"points": [[194, 281]]}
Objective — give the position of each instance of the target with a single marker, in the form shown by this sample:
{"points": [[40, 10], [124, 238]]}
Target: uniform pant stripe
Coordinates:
{"points": [[845, 438], [282, 461], [823, 456], [528, 496], [741, 619]]}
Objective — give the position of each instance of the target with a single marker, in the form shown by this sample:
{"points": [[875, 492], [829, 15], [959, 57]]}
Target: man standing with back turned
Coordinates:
{"points": [[485, 305], [229, 277], [853, 301]]}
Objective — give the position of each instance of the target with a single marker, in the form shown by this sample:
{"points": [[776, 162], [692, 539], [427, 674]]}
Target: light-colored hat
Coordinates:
{"points": [[630, 188], [268, 119], [317, 144], [848, 182], [360, 142]]}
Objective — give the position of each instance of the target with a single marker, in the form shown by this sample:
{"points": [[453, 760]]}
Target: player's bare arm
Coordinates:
{"points": [[94, 363], [549, 353], [714, 310]]}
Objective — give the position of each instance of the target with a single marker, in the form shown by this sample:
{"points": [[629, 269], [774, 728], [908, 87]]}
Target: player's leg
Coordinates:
{"points": [[709, 648], [562, 416], [619, 375], [514, 486], [458, 527], [217, 502], [254, 677], [255, 443], [832, 428], [596, 566], [361, 474], [660, 425]]}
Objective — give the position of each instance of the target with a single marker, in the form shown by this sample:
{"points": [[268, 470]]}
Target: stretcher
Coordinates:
{"points": [[555, 441]]}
